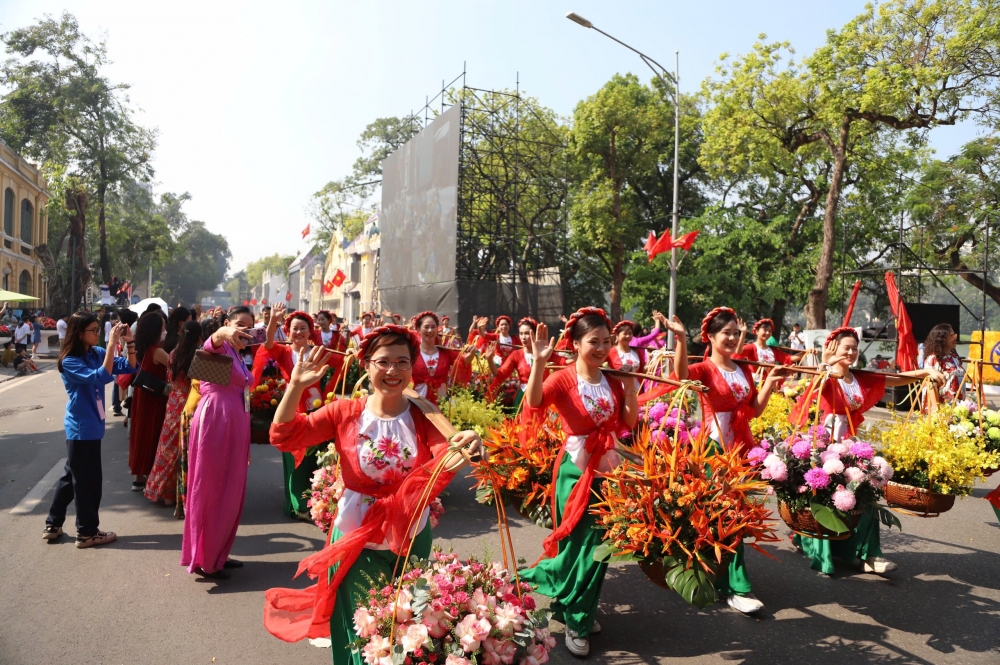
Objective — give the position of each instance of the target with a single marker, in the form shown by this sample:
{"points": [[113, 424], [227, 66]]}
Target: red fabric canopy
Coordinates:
{"points": [[906, 345]]}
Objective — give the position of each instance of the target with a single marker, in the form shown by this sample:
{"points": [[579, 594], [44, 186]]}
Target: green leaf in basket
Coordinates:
{"points": [[398, 654], [886, 517], [603, 553], [827, 517]]}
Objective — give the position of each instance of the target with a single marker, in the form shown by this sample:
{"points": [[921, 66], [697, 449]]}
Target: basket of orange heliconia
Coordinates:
{"points": [[680, 508]]}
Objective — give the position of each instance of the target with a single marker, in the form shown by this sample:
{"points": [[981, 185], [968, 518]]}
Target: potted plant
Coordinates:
{"points": [[447, 612], [933, 462], [680, 509], [822, 487], [519, 466]]}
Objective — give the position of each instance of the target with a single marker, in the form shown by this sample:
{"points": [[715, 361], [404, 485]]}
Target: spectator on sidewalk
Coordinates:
{"points": [[22, 335], [265, 314], [86, 369], [61, 329], [128, 317], [36, 335], [8, 354], [8, 318], [107, 324], [175, 322], [23, 363], [148, 408]]}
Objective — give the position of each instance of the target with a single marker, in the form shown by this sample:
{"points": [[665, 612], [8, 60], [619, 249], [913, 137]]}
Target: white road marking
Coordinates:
{"points": [[13, 383], [37, 493]]}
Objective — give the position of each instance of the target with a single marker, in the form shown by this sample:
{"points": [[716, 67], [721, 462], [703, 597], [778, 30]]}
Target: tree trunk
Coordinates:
{"points": [[102, 189], [778, 315], [617, 281], [76, 203], [819, 294]]}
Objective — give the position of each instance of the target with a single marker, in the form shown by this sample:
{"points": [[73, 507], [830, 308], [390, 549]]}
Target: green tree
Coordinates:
{"points": [[954, 204], [60, 108], [199, 263], [138, 233], [903, 66], [275, 264]]}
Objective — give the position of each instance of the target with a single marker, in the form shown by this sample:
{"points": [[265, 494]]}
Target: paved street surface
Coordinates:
{"points": [[130, 602]]}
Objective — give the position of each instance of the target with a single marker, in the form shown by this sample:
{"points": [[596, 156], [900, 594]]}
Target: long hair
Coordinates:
{"points": [[174, 322], [189, 341], [147, 333], [73, 343], [936, 343]]}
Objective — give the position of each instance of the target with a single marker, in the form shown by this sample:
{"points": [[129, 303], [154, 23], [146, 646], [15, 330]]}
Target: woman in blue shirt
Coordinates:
{"points": [[86, 369]]}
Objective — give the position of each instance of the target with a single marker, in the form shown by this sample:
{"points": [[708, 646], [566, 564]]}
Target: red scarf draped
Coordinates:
{"points": [[295, 614], [515, 362], [832, 400], [560, 391]]}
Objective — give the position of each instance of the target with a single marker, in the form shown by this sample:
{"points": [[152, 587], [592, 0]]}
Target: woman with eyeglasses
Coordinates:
{"points": [[218, 455], [388, 451], [86, 369]]}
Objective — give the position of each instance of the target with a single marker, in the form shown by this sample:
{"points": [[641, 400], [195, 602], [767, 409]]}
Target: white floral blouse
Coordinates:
{"points": [[387, 450], [431, 363], [722, 422], [630, 361], [599, 402], [836, 424]]}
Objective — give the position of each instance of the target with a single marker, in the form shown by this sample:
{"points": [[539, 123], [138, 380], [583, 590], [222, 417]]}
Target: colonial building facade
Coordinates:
{"points": [[25, 226]]}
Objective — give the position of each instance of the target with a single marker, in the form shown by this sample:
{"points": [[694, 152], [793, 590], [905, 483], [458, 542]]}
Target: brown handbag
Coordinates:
{"points": [[214, 368]]}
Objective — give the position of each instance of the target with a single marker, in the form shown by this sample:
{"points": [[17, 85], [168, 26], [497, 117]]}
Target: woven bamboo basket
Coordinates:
{"points": [[918, 500], [803, 523]]}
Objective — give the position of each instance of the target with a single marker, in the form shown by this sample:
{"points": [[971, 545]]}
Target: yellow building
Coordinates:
{"points": [[25, 226], [357, 260]]}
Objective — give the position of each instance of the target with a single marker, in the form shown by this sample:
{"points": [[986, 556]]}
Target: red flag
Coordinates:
{"points": [[253, 301], [339, 277], [650, 242], [263, 301], [660, 246], [288, 296], [906, 345], [850, 305], [305, 232], [685, 241], [328, 286], [246, 302]]}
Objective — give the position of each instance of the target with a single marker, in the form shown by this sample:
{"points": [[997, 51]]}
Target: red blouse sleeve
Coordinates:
{"points": [[503, 373], [749, 352], [782, 358], [307, 430], [873, 388]]}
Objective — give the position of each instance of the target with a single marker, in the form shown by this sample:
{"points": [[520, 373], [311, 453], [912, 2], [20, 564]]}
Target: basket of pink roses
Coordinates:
{"points": [[447, 612]]}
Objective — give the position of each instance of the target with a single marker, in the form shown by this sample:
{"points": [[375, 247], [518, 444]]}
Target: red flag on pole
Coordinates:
{"points": [[339, 277], [263, 301], [850, 305], [288, 296], [328, 286], [253, 301], [685, 241], [305, 232], [660, 246], [246, 302], [906, 345], [650, 242]]}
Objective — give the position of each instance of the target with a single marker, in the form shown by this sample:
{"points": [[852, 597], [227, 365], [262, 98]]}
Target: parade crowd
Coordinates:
{"points": [[184, 382]]}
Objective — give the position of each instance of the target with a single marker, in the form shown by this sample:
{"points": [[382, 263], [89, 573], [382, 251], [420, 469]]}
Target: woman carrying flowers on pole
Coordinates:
{"points": [[731, 402], [758, 350], [433, 366], [843, 400], [388, 452], [298, 327], [505, 342], [592, 408], [520, 360], [622, 355]]}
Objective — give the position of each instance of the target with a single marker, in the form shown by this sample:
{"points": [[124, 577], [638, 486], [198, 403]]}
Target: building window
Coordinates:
{"points": [[27, 220], [8, 212], [24, 284]]}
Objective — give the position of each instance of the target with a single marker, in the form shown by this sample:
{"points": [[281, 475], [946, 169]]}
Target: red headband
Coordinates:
{"points": [[386, 330], [832, 337], [762, 322], [528, 320], [371, 314], [708, 319], [567, 340], [298, 315], [622, 324], [503, 317], [420, 317]]}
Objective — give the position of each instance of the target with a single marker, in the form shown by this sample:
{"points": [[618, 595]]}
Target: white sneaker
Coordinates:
{"points": [[595, 628], [747, 604], [578, 646], [321, 642], [878, 565]]}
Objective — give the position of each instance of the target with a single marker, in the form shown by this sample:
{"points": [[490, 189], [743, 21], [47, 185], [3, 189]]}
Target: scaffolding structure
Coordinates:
{"points": [[512, 189]]}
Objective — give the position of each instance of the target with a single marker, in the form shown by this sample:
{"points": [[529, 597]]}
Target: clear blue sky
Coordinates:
{"points": [[260, 104]]}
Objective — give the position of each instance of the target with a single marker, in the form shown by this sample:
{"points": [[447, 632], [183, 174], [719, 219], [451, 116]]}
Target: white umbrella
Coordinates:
{"points": [[141, 306]]}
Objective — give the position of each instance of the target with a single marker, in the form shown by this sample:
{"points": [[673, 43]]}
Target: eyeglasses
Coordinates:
{"points": [[403, 364], [95, 331]]}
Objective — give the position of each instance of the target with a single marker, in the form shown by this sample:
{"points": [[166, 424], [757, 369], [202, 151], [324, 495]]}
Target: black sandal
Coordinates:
{"points": [[137, 486], [232, 563], [217, 575]]}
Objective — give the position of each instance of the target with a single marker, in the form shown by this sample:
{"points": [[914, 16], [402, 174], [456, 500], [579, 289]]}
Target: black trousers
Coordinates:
{"points": [[116, 402], [82, 481]]}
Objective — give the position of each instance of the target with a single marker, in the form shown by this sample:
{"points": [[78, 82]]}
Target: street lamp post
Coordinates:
{"points": [[576, 18]]}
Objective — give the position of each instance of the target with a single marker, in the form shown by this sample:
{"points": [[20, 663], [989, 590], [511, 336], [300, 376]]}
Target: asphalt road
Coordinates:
{"points": [[131, 602]]}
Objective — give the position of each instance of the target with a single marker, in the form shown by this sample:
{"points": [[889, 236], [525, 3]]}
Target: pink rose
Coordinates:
{"points": [[509, 619], [452, 659], [402, 605], [437, 623], [543, 637], [365, 625], [470, 631], [377, 651], [415, 637]]}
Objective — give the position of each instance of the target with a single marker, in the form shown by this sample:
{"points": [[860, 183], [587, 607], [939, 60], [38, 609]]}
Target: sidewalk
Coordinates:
{"points": [[44, 365]]}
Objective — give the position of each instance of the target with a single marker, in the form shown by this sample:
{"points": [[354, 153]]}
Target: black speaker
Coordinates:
{"points": [[926, 316]]}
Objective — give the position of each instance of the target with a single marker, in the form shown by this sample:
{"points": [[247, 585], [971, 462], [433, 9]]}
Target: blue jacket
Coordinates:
{"points": [[85, 379]]}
